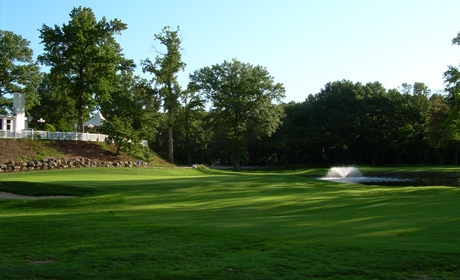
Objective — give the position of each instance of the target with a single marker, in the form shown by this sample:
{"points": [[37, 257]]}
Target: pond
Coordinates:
{"points": [[402, 179]]}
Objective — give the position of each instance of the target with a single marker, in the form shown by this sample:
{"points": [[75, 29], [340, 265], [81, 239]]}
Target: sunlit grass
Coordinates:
{"points": [[206, 224]]}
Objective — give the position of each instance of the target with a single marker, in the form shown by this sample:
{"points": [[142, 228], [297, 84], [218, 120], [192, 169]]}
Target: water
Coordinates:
{"points": [[354, 176]]}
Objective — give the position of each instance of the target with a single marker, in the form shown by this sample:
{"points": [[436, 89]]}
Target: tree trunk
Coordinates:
{"points": [[236, 163], [187, 138], [170, 137], [80, 126], [236, 148]]}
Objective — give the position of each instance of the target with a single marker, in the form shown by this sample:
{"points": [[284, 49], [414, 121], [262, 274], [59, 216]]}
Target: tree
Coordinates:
{"points": [[337, 110], [452, 77], [18, 72], [84, 57], [437, 135], [56, 106], [165, 69], [190, 121], [242, 98], [452, 81], [131, 112], [121, 132]]}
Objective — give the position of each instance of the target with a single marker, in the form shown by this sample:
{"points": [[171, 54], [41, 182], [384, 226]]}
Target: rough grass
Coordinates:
{"points": [[205, 224]]}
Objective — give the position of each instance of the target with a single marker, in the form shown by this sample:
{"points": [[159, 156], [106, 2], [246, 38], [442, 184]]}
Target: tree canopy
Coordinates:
{"points": [[165, 69], [18, 71], [243, 98], [84, 57]]}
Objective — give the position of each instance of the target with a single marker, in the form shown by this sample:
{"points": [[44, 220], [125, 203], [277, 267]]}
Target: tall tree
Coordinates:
{"points": [[165, 69], [243, 98], [452, 77], [18, 71], [84, 57], [452, 81]]}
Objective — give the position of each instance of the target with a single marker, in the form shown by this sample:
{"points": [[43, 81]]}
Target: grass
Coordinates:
{"points": [[40, 149], [205, 224]]}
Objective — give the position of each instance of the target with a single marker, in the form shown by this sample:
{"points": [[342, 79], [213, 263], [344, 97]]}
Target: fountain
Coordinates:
{"points": [[349, 174], [343, 172], [352, 175]]}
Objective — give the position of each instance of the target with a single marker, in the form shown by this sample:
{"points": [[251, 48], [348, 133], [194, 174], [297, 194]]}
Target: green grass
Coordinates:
{"points": [[40, 149], [205, 224]]}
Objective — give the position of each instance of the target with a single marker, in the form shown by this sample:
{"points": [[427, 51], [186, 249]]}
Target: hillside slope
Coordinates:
{"points": [[26, 149]]}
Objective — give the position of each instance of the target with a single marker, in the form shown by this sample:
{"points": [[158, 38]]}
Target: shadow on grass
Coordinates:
{"points": [[39, 189], [272, 206], [179, 224]]}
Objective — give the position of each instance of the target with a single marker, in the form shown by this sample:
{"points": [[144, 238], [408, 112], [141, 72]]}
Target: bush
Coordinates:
{"points": [[49, 127], [122, 134]]}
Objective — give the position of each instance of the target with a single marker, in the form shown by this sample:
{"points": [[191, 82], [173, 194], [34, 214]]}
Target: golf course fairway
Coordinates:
{"points": [[206, 224]]}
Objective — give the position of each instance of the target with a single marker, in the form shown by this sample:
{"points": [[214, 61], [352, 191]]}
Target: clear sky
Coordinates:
{"points": [[303, 43]]}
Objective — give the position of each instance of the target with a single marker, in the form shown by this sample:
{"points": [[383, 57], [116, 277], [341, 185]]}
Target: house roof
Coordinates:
{"points": [[96, 120]]}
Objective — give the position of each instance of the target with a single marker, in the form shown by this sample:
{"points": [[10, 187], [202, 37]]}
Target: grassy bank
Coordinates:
{"points": [[204, 224]]}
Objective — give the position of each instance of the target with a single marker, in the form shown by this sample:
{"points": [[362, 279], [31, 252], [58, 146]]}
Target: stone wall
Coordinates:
{"points": [[62, 163]]}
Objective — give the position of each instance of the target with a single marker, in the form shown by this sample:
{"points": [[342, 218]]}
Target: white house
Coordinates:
{"points": [[17, 121]]}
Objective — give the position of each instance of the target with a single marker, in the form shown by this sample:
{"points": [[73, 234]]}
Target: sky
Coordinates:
{"points": [[304, 44]]}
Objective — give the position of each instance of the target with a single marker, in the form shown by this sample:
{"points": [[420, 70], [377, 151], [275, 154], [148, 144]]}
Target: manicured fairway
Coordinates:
{"points": [[204, 224]]}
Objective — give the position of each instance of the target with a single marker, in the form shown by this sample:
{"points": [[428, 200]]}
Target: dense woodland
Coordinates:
{"points": [[230, 112]]}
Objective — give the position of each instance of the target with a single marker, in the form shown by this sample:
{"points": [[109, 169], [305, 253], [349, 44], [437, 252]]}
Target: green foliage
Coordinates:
{"points": [[49, 127], [452, 78], [120, 131], [243, 100], [452, 81], [56, 106], [166, 66], [354, 123], [84, 58], [18, 72], [131, 113], [192, 132], [165, 69]]}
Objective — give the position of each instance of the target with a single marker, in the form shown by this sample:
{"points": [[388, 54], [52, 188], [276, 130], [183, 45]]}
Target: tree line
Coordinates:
{"points": [[229, 113]]}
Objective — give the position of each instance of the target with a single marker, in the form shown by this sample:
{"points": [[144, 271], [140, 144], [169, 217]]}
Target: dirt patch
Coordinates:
{"points": [[18, 149], [91, 150]]}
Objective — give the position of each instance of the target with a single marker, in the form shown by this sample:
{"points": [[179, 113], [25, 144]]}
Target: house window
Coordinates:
{"points": [[8, 125], [1, 124]]}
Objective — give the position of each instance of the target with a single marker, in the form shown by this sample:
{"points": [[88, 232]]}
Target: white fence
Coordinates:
{"points": [[38, 134]]}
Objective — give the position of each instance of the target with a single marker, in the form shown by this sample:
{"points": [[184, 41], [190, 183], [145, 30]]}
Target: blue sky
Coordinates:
{"points": [[303, 44]]}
